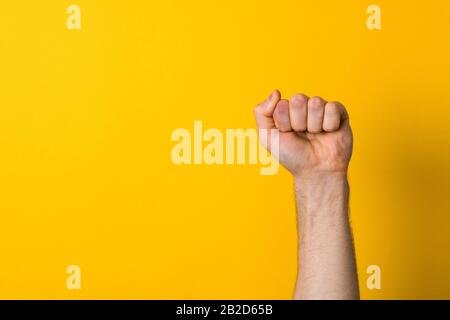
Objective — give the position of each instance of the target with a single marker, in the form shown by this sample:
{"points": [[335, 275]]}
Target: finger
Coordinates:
{"points": [[298, 112], [316, 108], [281, 116], [264, 111], [271, 103], [331, 118], [335, 116]]}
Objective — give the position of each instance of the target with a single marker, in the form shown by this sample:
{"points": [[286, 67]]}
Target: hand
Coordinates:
{"points": [[315, 135], [315, 145]]}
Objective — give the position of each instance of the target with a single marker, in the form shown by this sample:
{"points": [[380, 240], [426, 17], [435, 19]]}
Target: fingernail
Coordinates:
{"points": [[272, 95]]}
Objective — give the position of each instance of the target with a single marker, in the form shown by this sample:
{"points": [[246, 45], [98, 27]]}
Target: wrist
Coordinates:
{"points": [[322, 194], [313, 179]]}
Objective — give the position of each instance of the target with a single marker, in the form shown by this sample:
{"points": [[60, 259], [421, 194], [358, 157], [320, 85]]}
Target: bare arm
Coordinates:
{"points": [[315, 145], [327, 267]]}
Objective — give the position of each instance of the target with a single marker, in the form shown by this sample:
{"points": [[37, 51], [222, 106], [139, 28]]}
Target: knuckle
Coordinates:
{"points": [[258, 108], [278, 112], [332, 107], [315, 102], [282, 108], [300, 98]]}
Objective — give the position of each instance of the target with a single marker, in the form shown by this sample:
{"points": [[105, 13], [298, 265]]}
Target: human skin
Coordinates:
{"points": [[315, 145]]}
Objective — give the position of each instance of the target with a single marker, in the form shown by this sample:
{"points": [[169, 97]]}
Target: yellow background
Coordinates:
{"points": [[85, 124]]}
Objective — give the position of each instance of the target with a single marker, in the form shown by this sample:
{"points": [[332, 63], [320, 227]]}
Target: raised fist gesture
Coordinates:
{"points": [[315, 135]]}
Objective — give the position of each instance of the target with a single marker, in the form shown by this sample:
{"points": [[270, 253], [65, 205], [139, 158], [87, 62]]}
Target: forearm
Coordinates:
{"points": [[327, 268]]}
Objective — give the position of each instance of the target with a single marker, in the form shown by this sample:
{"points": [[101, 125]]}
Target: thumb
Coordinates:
{"points": [[264, 111]]}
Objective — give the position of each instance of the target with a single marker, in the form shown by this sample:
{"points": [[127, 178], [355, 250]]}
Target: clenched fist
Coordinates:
{"points": [[314, 135], [315, 144]]}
